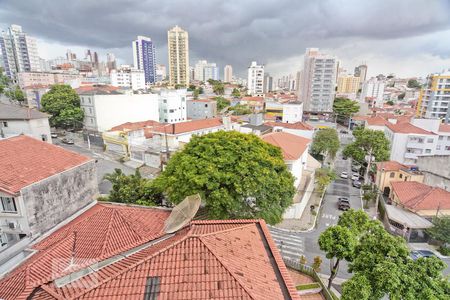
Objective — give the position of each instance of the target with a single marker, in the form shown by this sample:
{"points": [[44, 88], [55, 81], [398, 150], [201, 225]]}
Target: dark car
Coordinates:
{"points": [[355, 168], [343, 203], [344, 157], [416, 254], [343, 131], [68, 141]]}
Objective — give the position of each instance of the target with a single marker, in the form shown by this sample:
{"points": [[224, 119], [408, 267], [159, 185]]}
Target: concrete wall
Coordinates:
{"points": [[435, 172], [56, 198], [35, 128], [201, 109]]}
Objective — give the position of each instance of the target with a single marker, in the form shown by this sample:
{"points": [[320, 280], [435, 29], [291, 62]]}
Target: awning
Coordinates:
{"points": [[406, 218]]}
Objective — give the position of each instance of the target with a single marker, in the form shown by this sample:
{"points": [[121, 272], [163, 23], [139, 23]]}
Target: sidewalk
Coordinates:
{"points": [[307, 221]]}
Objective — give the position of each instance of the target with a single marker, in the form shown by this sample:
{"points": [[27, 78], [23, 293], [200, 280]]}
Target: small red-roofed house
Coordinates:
{"points": [[41, 185]]}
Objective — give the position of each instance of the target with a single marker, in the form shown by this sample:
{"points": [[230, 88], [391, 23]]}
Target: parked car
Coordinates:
{"points": [[416, 254], [343, 131], [344, 206], [355, 176], [344, 157], [54, 135], [357, 184], [344, 175], [343, 199], [68, 141], [355, 168]]}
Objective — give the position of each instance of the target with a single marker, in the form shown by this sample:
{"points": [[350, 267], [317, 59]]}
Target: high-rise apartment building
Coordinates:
{"points": [[111, 62], [178, 55], [434, 98], [268, 83], [161, 72], [255, 79], [372, 91], [198, 70], [18, 51], [348, 84], [361, 72], [144, 57], [203, 71], [317, 88], [228, 73]]}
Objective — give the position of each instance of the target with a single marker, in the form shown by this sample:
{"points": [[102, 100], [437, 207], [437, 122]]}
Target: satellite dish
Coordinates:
{"points": [[183, 213]]}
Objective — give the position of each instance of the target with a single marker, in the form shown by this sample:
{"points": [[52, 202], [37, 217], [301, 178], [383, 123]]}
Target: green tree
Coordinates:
{"points": [[370, 143], [324, 176], [15, 94], [390, 102], [240, 109], [4, 81], [219, 88], [326, 143], [338, 243], [236, 93], [221, 103], [358, 287], [238, 175], [180, 86], [441, 229], [344, 108], [63, 103], [133, 189], [354, 220], [413, 83]]}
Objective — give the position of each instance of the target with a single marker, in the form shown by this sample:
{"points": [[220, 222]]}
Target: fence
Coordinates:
{"points": [[309, 271]]}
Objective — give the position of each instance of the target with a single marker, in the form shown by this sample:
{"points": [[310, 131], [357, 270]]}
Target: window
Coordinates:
{"points": [[5, 124], [8, 204], [429, 140], [206, 105], [441, 137], [392, 175], [90, 110], [427, 150], [90, 101], [401, 176], [44, 137]]}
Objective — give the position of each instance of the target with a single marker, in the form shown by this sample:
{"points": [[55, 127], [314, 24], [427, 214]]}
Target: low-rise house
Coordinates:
{"points": [[255, 103], [292, 112], [391, 171], [301, 129], [376, 123], [256, 125], [16, 120], [41, 185], [201, 109], [127, 252]]}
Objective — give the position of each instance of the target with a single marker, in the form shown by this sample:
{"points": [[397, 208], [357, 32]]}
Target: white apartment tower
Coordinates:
{"points": [[178, 55], [128, 77], [317, 88], [18, 51], [172, 106], [228, 73], [372, 91], [198, 70], [255, 79]]}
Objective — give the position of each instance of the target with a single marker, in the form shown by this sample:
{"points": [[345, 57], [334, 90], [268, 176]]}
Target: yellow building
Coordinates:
{"points": [[348, 84], [434, 97], [392, 171], [178, 55]]}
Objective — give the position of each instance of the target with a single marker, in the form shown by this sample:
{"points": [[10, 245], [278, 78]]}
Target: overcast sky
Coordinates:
{"points": [[405, 37]]}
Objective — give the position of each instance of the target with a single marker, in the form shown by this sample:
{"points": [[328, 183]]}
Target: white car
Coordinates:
{"points": [[344, 175], [355, 176]]}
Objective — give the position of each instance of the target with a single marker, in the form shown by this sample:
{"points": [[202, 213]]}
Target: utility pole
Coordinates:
{"points": [[378, 189]]}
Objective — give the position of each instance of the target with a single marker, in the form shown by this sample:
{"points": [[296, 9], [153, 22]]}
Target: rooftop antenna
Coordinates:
{"points": [[183, 213]]}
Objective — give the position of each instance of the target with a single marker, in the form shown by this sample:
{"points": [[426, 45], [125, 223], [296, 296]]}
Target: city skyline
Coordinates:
{"points": [[400, 45]]}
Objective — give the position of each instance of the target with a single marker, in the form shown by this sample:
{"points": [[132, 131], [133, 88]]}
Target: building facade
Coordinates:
{"points": [[361, 72], [172, 106], [201, 109], [434, 98], [27, 79], [317, 89], [292, 112], [178, 55], [144, 57], [255, 79], [373, 90], [127, 77], [348, 84], [228, 73], [18, 51]]}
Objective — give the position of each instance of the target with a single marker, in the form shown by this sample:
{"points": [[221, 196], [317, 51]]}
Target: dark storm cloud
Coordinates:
{"points": [[232, 32]]}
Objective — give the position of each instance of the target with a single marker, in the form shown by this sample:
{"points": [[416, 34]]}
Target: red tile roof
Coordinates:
{"points": [[97, 89], [418, 196], [360, 118], [444, 128], [225, 259], [376, 121], [252, 99], [189, 126], [25, 160], [129, 126], [291, 145], [391, 165], [407, 128], [298, 125]]}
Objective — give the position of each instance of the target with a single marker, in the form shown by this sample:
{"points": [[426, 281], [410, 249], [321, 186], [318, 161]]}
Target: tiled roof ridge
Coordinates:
{"points": [[419, 198], [52, 293], [108, 232], [238, 280], [131, 266], [245, 225], [278, 260]]}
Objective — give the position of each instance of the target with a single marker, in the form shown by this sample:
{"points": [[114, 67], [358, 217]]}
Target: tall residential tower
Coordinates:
{"points": [[178, 55], [18, 51], [228, 73], [434, 98], [144, 57], [255, 79]]}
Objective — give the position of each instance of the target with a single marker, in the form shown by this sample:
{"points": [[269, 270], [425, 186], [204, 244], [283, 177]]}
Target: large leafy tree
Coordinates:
{"points": [[413, 83], [324, 176], [326, 143], [63, 103], [344, 108], [222, 103], [441, 229], [236, 93], [14, 93], [368, 143], [238, 176], [4, 81]]}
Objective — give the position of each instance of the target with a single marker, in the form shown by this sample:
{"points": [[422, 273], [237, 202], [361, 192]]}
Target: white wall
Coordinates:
{"points": [[34, 128], [112, 110], [303, 133], [172, 106], [292, 113]]}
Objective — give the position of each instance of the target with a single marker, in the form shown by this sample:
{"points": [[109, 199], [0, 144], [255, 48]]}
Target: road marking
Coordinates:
{"points": [[295, 239], [326, 224], [296, 254], [278, 241], [329, 216]]}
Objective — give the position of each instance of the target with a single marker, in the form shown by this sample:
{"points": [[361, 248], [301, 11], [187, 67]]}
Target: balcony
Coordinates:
{"points": [[411, 155], [415, 144]]}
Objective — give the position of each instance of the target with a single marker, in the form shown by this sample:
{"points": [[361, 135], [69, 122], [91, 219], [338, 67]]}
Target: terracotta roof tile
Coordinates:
{"points": [[189, 126], [391, 165], [298, 125], [377, 121], [419, 196], [223, 259], [25, 160], [444, 128], [129, 126], [291, 145], [252, 99], [407, 128]]}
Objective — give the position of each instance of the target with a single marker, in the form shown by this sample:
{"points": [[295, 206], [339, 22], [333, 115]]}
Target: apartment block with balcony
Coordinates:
{"points": [[41, 185], [255, 79], [434, 98]]}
